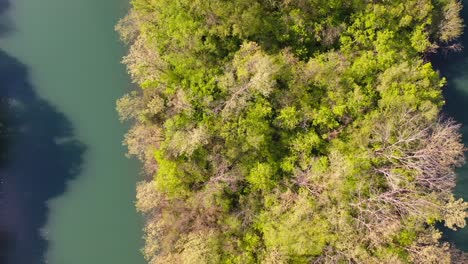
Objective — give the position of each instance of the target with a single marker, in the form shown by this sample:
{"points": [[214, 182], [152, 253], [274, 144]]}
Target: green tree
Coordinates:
{"points": [[292, 131]]}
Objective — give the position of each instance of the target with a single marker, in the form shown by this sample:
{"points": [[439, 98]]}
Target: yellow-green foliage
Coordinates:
{"points": [[296, 230], [292, 131]]}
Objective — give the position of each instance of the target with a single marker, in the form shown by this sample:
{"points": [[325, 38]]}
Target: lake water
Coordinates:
{"points": [[68, 189]]}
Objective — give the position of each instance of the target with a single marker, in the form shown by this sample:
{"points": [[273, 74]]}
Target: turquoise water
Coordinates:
{"points": [[69, 188]]}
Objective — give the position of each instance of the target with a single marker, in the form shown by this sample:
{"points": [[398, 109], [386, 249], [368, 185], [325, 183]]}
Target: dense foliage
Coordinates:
{"points": [[293, 131]]}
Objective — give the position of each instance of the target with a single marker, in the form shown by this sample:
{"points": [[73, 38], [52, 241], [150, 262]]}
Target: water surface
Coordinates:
{"points": [[68, 188], [454, 66]]}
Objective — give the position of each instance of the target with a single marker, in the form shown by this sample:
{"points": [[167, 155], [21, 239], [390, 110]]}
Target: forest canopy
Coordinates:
{"points": [[293, 131]]}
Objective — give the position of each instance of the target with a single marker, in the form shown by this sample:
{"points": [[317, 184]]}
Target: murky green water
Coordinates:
{"points": [[68, 54]]}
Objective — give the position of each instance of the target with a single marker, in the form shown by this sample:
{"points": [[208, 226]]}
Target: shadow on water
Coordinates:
{"points": [[5, 23], [454, 67], [38, 156]]}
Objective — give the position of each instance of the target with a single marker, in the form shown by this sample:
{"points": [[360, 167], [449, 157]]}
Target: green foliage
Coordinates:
{"points": [[168, 178], [288, 118], [295, 230], [292, 131], [261, 177]]}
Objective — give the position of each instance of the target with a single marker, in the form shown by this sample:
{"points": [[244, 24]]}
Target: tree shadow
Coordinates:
{"points": [[454, 66], [39, 155], [6, 26]]}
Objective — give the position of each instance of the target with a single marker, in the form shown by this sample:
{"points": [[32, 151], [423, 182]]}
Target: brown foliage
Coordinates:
{"points": [[429, 151], [416, 158], [141, 141], [451, 26]]}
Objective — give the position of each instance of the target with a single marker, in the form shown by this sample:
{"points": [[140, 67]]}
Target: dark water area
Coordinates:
{"points": [[39, 154], [454, 66], [42, 155]]}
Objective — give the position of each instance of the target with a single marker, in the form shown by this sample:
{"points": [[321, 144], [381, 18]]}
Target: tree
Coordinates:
{"points": [[292, 131]]}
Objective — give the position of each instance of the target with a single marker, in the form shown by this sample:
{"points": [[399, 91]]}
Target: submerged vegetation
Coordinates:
{"points": [[293, 131]]}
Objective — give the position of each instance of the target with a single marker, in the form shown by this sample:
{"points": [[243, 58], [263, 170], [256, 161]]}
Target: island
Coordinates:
{"points": [[293, 131]]}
